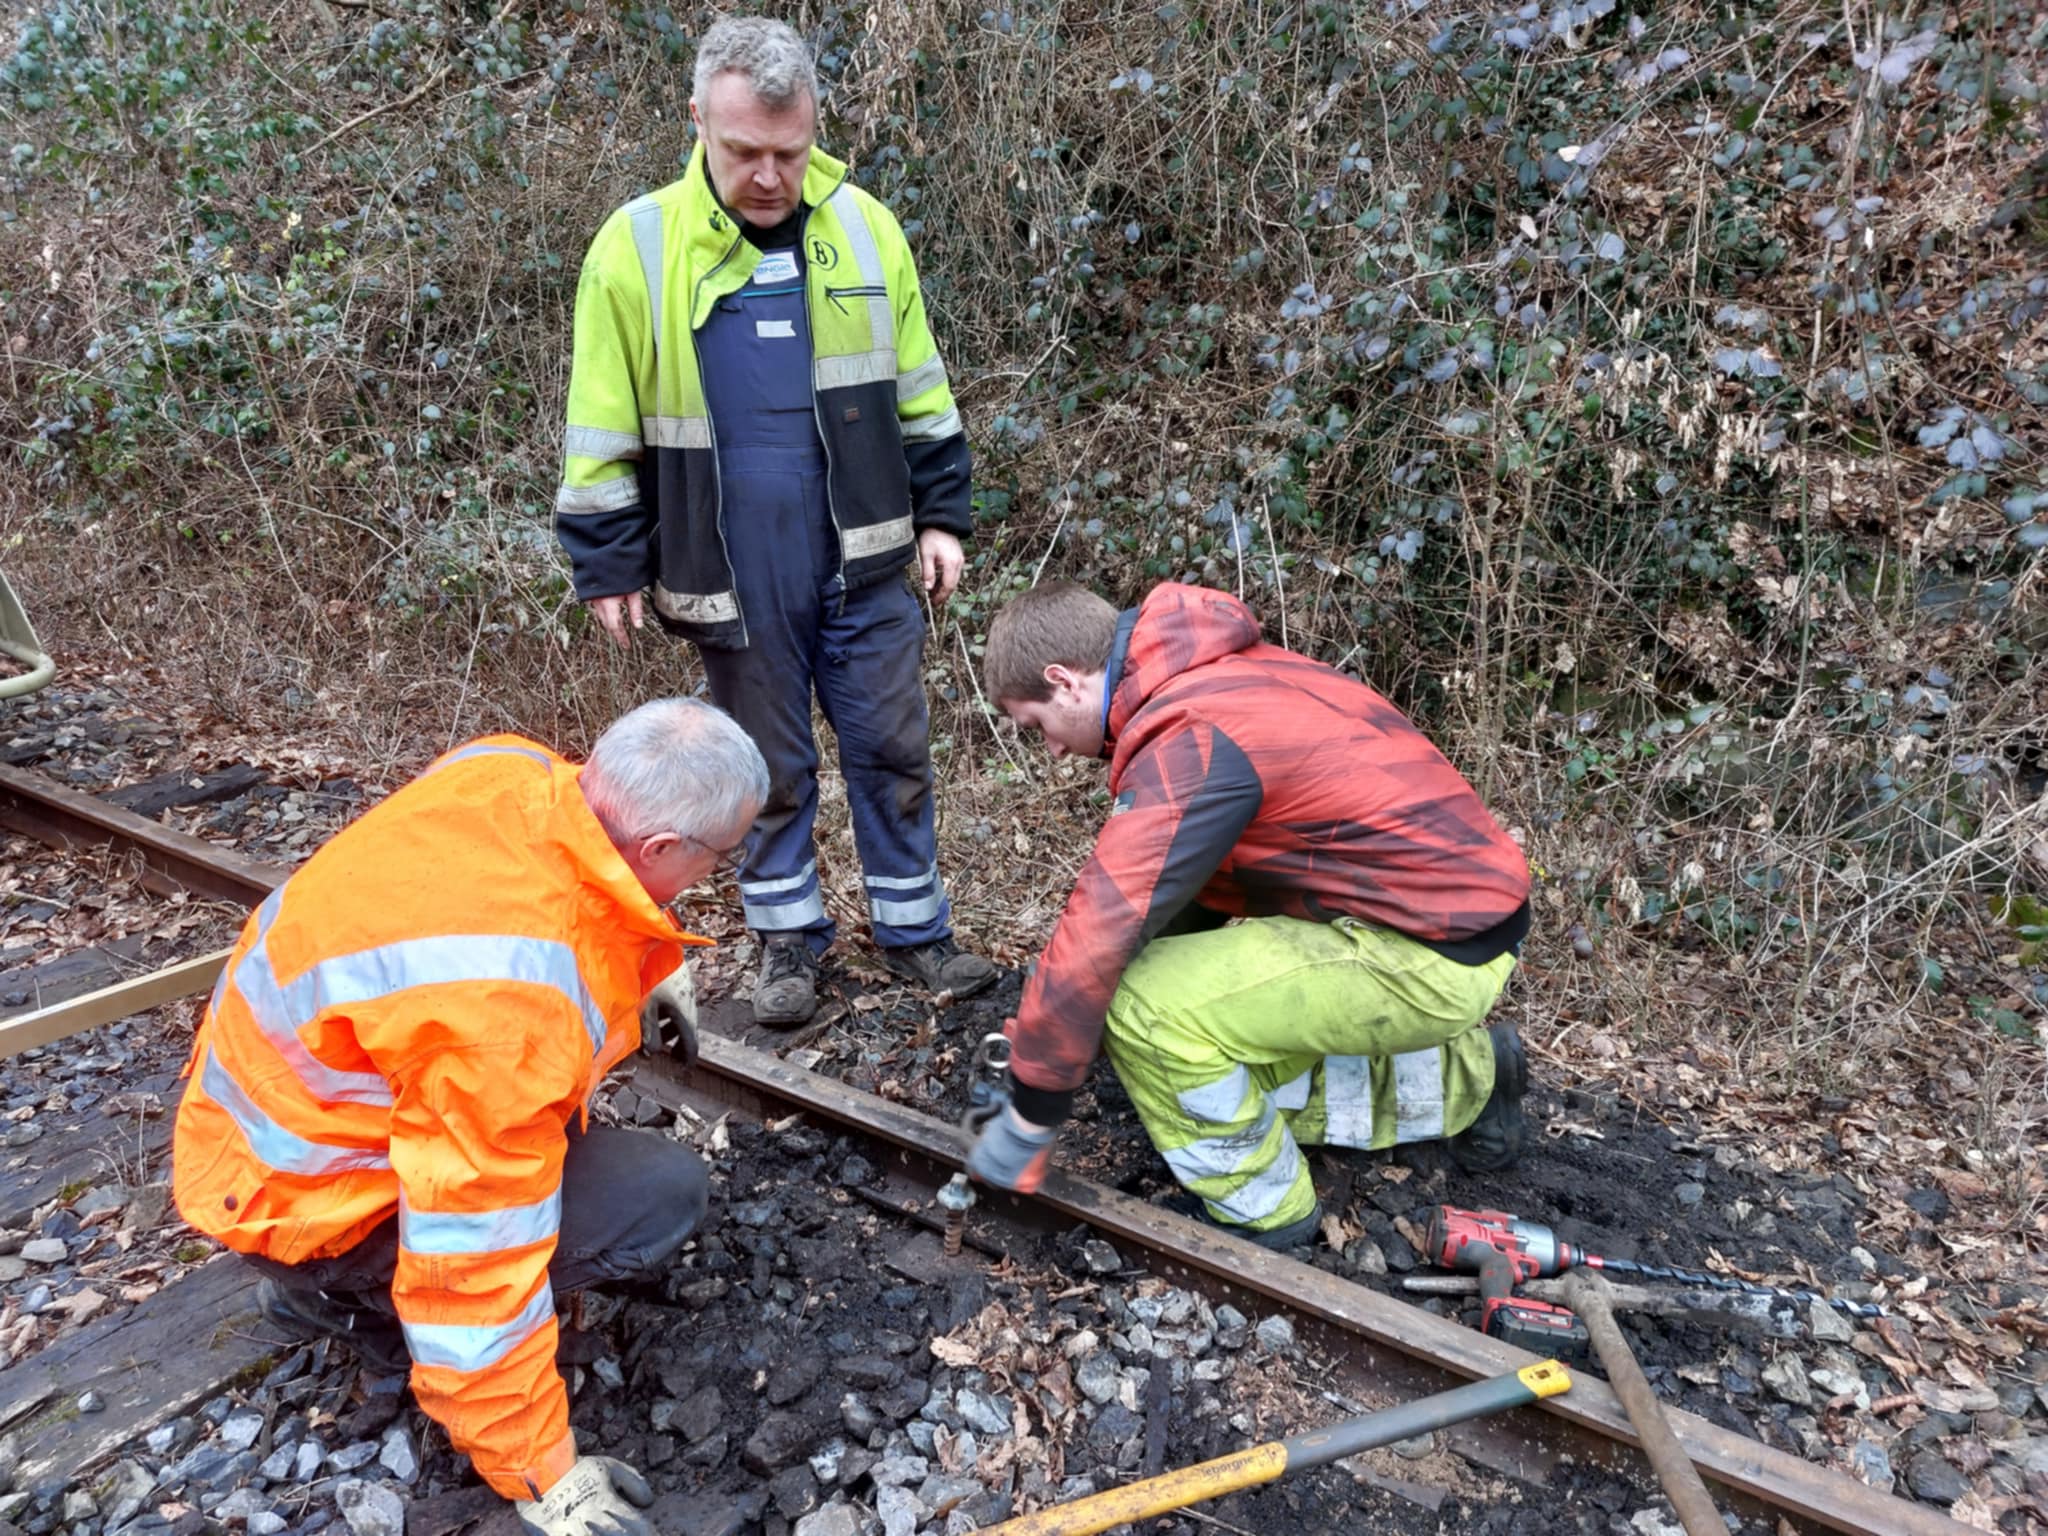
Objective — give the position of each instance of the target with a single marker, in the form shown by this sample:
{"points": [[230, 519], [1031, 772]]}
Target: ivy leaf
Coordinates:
{"points": [[1901, 59]]}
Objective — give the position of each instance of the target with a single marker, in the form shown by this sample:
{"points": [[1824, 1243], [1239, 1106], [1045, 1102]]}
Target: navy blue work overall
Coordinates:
{"points": [[862, 650]]}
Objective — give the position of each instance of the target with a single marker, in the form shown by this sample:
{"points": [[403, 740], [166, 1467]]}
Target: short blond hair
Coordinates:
{"points": [[1058, 624]]}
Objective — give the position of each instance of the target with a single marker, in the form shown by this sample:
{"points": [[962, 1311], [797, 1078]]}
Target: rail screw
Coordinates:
{"points": [[956, 1198]]}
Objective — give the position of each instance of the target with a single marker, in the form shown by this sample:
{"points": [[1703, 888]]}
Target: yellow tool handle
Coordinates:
{"points": [[1155, 1496], [1263, 1463]]}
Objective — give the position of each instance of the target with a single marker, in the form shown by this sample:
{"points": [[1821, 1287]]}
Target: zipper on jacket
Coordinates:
{"points": [[817, 413], [732, 577], [865, 291]]}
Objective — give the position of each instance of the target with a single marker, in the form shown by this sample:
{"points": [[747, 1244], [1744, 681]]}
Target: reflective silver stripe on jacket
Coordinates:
{"points": [[696, 607], [474, 1232], [877, 539], [607, 496], [677, 431], [274, 1146], [490, 749], [277, 1017], [928, 375], [644, 214], [929, 429], [281, 1010], [845, 205], [860, 368], [459, 1348], [601, 443]]}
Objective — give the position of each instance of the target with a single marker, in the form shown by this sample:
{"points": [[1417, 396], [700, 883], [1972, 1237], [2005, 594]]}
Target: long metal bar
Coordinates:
{"points": [[1591, 1299], [138, 994], [1822, 1496]]}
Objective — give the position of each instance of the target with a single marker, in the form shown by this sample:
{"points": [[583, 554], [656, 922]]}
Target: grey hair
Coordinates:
{"points": [[674, 765], [776, 62]]}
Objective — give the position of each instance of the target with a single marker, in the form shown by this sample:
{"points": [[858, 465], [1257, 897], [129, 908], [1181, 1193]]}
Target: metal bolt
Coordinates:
{"points": [[956, 1199]]}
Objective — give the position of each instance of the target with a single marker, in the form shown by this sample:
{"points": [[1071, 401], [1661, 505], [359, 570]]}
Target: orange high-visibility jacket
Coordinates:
{"points": [[408, 1023]]}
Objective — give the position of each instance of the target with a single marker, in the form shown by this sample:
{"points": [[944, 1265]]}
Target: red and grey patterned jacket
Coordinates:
{"points": [[1250, 781]]}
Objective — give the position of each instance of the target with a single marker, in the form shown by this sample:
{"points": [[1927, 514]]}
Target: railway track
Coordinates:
{"points": [[1402, 1349]]}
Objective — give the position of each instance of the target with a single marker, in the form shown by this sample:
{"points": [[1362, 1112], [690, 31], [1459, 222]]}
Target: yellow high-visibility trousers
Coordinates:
{"points": [[1243, 1044]]}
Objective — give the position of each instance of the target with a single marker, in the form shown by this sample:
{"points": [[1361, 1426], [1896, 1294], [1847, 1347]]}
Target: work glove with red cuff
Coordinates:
{"points": [[1011, 1152]]}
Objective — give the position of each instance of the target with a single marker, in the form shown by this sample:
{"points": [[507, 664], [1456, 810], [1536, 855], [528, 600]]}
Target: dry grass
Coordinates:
{"points": [[286, 406]]}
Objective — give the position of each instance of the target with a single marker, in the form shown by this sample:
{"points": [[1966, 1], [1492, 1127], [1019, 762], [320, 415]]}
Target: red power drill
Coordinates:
{"points": [[1504, 1251]]}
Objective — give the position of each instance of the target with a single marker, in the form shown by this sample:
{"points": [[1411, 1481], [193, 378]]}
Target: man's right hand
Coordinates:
{"points": [[599, 1496], [614, 613]]}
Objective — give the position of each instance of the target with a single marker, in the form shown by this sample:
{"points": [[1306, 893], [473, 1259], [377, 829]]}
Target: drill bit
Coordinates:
{"points": [[1724, 1283]]}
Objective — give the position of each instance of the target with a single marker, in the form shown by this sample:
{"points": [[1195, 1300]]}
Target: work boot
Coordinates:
{"points": [[1494, 1140], [1296, 1234], [311, 1314], [942, 966], [786, 991]]}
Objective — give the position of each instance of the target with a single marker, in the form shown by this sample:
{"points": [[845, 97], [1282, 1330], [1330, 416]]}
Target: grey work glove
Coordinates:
{"points": [[668, 1018], [599, 1496], [1011, 1152]]}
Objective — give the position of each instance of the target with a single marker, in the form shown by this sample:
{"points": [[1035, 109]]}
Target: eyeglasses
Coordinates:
{"points": [[725, 862]]}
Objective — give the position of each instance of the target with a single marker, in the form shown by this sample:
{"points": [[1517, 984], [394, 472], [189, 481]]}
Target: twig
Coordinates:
{"points": [[406, 101], [363, 117]]}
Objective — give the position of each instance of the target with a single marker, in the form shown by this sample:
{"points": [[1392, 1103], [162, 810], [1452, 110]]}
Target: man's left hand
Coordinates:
{"points": [[668, 1018], [940, 560], [1011, 1152]]}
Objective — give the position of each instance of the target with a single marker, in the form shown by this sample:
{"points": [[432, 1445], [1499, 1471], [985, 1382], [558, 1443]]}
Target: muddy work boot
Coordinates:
{"points": [[309, 1314], [1494, 1141], [942, 966], [786, 991]]}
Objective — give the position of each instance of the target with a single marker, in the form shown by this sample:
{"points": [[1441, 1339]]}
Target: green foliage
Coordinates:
{"points": [[1645, 401]]}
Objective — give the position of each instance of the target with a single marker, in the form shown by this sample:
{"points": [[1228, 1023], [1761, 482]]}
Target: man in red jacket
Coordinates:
{"points": [[1382, 909]]}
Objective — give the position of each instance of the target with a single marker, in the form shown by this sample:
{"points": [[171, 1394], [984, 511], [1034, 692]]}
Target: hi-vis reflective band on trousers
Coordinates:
{"points": [[806, 911], [906, 912], [458, 1347]]}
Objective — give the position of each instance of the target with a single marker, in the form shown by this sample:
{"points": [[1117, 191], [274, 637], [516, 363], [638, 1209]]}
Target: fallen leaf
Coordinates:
{"points": [[954, 1353]]}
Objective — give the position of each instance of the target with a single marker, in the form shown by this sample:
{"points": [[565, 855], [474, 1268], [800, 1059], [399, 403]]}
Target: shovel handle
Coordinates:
{"points": [[1265, 1463]]}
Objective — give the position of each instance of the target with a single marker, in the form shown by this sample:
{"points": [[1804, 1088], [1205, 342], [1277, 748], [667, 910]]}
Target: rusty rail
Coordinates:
{"points": [[1381, 1328]]}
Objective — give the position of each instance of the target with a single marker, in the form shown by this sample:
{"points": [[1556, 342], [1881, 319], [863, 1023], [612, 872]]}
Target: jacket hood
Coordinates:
{"points": [[1175, 630]]}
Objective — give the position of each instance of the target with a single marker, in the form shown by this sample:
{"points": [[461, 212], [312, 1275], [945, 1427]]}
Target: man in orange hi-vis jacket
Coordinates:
{"points": [[387, 1110]]}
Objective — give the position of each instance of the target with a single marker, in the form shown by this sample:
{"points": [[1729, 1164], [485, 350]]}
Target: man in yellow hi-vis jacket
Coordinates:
{"points": [[762, 435]]}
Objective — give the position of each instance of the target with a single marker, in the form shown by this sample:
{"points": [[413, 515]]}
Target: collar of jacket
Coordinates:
{"points": [[1112, 679], [610, 890], [712, 235]]}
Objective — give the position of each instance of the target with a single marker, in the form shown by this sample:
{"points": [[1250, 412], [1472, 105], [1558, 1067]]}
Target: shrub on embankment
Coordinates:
{"points": [[1650, 400]]}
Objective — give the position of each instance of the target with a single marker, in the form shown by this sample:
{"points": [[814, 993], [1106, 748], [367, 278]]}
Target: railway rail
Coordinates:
{"points": [[1404, 1350]]}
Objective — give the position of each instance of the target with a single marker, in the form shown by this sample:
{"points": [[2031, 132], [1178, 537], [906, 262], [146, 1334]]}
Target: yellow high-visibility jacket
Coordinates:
{"points": [[640, 505]]}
